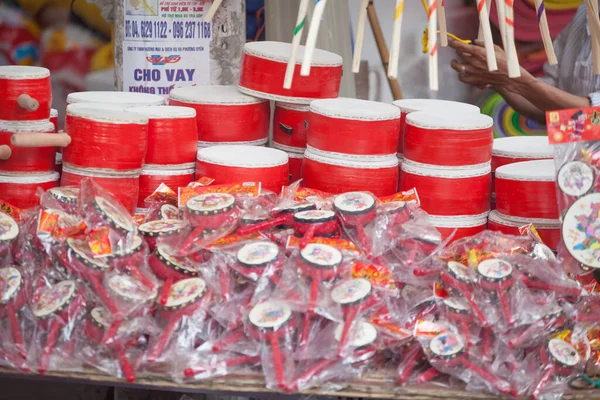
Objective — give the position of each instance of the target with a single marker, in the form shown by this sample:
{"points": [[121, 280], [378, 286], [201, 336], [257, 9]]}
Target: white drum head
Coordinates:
{"points": [[243, 156]]}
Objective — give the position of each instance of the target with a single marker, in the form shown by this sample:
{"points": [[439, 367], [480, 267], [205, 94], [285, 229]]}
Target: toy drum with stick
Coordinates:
{"points": [[355, 297], [553, 320], [26, 93], [185, 298], [308, 224], [284, 219], [559, 359], [447, 351], [510, 150], [102, 211], [222, 110], [413, 357], [121, 99], [290, 125], [457, 277], [25, 159], [356, 210], [208, 211], [362, 338], [153, 230], [170, 268], [272, 321], [12, 299], [56, 307], [460, 314], [254, 258], [20, 190], [352, 122], [319, 263], [175, 176], [66, 196], [130, 260], [9, 231], [263, 72], [528, 275], [496, 276]]}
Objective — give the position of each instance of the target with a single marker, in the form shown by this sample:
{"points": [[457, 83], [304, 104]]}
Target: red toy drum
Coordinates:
{"points": [[54, 118], [67, 197], [408, 106], [464, 226], [353, 127], [124, 99], [105, 139], [449, 191], [337, 175], [223, 114], [150, 179], [124, 186], [237, 164], [26, 93], [527, 189], [263, 71], [290, 124], [295, 158], [509, 150], [21, 190], [25, 159], [153, 230], [172, 134], [448, 139], [548, 229]]}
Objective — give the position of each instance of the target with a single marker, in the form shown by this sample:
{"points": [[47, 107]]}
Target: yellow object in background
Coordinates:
{"points": [[559, 5]]}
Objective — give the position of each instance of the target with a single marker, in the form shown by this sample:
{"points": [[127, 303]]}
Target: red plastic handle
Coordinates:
{"points": [[163, 340], [16, 332], [49, 346], [165, 291], [277, 361]]}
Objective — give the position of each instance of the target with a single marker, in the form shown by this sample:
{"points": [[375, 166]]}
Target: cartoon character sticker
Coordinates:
{"points": [[211, 202], [168, 211], [119, 218], [162, 226], [270, 314], [362, 334], [581, 230], [52, 299], [446, 345], [314, 215], [11, 280], [9, 229], [575, 178], [258, 253], [321, 254], [563, 352], [351, 291], [186, 291], [494, 269], [354, 202]]}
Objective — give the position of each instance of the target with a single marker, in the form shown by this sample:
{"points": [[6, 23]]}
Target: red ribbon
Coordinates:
{"points": [[150, 180], [526, 198], [290, 125], [16, 191], [37, 88]]}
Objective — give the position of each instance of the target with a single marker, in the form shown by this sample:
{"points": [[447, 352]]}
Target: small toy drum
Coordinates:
{"points": [[457, 278], [211, 210], [54, 118], [153, 230], [124, 186], [105, 139], [170, 268], [576, 178], [26, 93], [559, 358], [408, 106], [510, 150], [263, 70], [223, 114], [102, 211], [290, 125], [67, 197], [12, 299], [356, 210], [362, 339], [239, 164], [130, 260], [284, 219], [448, 139], [9, 231], [548, 229], [308, 224], [323, 171], [255, 257], [346, 126], [496, 276], [459, 313], [449, 191], [460, 227], [121, 99], [56, 307], [272, 321], [150, 179], [165, 148], [21, 190], [14, 159], [527, 190]]}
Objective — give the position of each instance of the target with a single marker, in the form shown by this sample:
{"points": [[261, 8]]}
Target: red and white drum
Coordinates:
{"points": [[238, 164], [176, 177], [105, 139], [337, 175], [54, 118], [223, 114], [464, 226], [548, 229], [290, 124], [353, 127], [124, 99], [295, 155], [26, 93], [172, 134], [263, 71], [448, 139], [21, 190], [25, 159], [408, 106], [124, 186], [527, 189], [509, 150], [449, 191]]}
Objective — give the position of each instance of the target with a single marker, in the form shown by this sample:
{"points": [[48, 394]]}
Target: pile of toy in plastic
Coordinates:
{"points": [[312, 289]]}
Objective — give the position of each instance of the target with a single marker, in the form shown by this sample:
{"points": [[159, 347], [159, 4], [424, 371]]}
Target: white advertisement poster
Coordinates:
{"points": [[166, 45]]}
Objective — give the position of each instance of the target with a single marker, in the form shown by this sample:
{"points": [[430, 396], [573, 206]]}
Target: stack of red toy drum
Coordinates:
{"points": [[290, 128], [526, 194], [108, 146], [25, 100], [225, 115], [172, 147], [352, 146], [447, 159]]}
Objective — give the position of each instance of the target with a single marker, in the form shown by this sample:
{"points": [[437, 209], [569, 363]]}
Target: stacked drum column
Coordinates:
{"points": [[290, 129]]}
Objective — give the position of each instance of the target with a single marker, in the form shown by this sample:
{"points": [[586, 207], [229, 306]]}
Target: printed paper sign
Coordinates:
{"points": [[573, 125]]}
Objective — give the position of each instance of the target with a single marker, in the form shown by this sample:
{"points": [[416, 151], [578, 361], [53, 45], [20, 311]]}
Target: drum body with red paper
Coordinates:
{"points": [[21, 190], [263, 71], [26, 159], [548, 229], [290, 124], [26, 93], [54, 118], [510, 150], [150, 180], [464, 226]]}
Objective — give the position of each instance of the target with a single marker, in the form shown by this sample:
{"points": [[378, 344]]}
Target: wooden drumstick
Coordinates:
{"points": [[298, 29], [212, 10], [5, 152], [442, 21], [360, 35], [395, 55], [514, 70], [432, 46], [484, 21], [34, 139], [28, 103], [480, 33], [311, 40], [501, 21], [545, 31]]}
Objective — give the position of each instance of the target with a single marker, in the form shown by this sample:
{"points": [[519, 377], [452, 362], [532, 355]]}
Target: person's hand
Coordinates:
{"points": [[473, 70]]}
